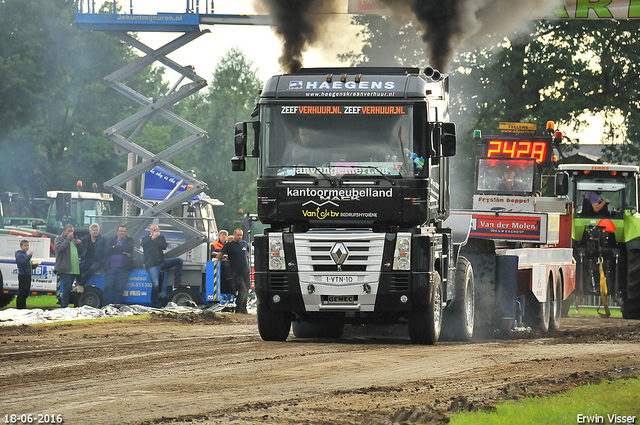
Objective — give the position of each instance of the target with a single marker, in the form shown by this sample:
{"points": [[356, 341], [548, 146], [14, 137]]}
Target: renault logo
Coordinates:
{"points": [[339, 253]]}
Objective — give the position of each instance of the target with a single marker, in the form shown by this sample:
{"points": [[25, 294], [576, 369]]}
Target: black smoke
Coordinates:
{"points": [[299, 23], [448, 25]]}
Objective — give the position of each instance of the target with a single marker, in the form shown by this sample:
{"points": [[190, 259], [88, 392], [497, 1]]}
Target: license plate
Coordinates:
{"points": [[340, 299], [339, 279]]}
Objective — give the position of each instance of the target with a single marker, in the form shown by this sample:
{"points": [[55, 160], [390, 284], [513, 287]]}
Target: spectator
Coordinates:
{"points": [[154, 245], [226, 278], [222, 239], [25, 270], [238, 252], [67, 261], [118, 264], [92, 255]]}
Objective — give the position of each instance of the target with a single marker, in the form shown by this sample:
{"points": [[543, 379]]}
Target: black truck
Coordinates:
{"points": [[353, 181]]}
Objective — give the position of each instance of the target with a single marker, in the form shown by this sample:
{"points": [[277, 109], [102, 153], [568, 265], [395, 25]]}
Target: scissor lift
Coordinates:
{"points": [[125, 132]]}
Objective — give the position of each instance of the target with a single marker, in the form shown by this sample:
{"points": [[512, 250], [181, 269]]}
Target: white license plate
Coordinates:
{"points": [[339, 279], [341, 299]]}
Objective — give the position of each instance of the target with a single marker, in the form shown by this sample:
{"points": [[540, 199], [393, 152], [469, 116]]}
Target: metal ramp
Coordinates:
{"points": [[125, 132]]}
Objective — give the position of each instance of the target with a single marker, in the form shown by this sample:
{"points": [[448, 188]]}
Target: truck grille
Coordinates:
{"points": [[363, 251], [279, 282]]}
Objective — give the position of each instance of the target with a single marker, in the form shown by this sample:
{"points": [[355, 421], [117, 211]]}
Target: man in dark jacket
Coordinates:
{"points": [[118, 264], [238, 251], [154, 245], [67, 262], [25, 270], [92, 253]]}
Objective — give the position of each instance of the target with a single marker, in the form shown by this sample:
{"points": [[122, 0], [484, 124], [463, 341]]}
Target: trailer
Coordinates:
{"points": [[519, 242]]}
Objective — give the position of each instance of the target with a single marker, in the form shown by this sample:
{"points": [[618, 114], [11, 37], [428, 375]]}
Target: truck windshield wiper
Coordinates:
{"points": [[326, 177], [386, 176]]}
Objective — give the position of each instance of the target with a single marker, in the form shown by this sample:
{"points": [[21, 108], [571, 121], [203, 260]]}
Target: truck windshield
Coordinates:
{"points": [[505, 176], [339, 140]]}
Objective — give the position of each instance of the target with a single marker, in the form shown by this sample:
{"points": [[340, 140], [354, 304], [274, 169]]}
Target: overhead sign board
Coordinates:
{"points": [[566, 9]]}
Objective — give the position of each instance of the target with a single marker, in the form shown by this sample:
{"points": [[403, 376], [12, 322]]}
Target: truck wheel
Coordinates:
{"points": [[425, 322], [317, 330], [556, 305], [538, 313], [5, 299], [458, 319], [631, 297], [91, 296], [186, 297], [273, 325]]}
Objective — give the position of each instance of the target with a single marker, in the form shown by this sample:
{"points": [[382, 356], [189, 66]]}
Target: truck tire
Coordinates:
{"points": [[5, 299], [458, 319], [273, 325], [317, 330], [184, 297], [537, 313], [631, 296], [556, 305], [91, 296], [425, 321]]}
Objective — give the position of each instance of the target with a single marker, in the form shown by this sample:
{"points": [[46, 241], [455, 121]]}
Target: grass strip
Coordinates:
{"points": [[596, 403]]}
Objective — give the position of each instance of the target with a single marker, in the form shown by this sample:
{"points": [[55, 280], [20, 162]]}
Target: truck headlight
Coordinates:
{"points": [[276, 252], [402, 253]]}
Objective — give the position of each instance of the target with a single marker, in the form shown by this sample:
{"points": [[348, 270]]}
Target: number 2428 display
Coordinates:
{"points": [[537, 150]]}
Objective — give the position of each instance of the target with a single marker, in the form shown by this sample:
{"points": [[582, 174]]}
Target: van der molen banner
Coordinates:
{"points": [[567, 9]]}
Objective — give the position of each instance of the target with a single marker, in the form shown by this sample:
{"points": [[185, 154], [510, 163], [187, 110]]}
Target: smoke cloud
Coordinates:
{"points": [[451, 25], [447, 25], [299, 23]]}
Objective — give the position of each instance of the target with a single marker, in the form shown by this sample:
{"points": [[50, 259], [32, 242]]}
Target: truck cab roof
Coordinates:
{"points": [[598, 167], [81, 195]]}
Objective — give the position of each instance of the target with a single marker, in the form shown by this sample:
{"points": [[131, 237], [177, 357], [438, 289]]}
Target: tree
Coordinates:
{"points": [[556, 71], [55, 105], [232, 96]]}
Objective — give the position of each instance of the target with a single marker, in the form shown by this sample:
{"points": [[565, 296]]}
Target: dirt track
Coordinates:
{"points": [[215, 369]]}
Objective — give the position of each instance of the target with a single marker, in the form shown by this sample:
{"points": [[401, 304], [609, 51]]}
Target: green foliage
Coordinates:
{"points": [[232, 96], [608, 398], [55, 105], [555, 72]]}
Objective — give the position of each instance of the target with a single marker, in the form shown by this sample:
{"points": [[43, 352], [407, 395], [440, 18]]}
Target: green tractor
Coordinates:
{"points": [[606, 233]]}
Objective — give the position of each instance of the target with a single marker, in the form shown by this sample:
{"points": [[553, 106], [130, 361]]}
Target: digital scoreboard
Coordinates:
{"points": [[539, 149], [518, 141]]}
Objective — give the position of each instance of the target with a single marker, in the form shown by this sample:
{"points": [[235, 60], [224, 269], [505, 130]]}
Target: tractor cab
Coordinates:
{"points": [[603, 195]]}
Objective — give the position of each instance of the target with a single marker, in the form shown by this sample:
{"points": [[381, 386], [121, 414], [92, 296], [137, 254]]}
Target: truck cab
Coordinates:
{"points": [[353, 180]]}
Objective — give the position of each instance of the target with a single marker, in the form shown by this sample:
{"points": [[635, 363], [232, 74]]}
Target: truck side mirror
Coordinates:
{"points": [[240, 139], [238, 164], [448, 139], [562, 183]]}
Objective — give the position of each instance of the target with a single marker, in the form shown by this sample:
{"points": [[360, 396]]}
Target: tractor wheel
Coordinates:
{"points": [[556, 305], [91, 296], [425, 321], [458, 319], [317, 330], [186, 297], [631, 296], [273, 325], [537, 313]]}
